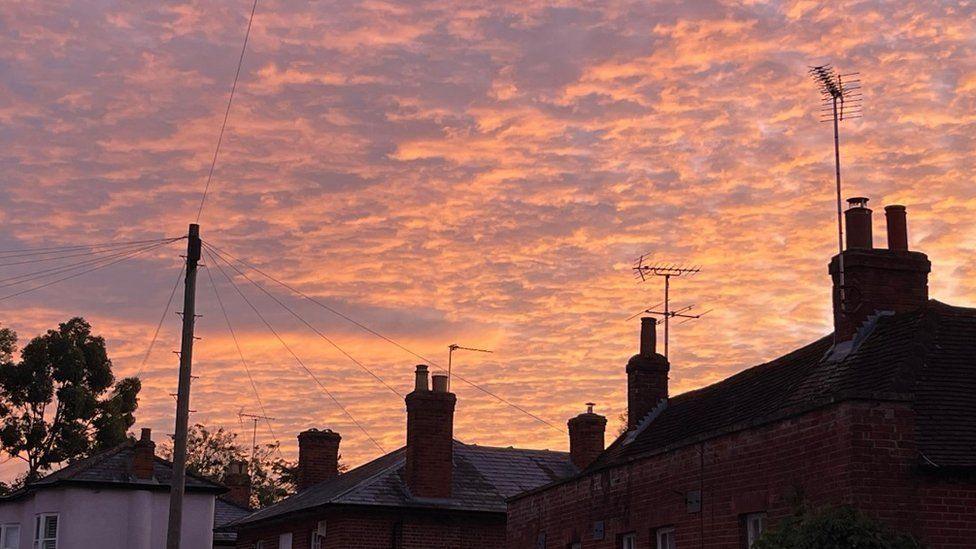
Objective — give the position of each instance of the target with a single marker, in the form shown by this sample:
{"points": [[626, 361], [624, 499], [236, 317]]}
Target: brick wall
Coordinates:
{"points": [[386, 529], [856, 453]]}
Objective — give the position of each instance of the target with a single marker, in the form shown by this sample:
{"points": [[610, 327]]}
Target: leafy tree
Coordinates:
{"points": [[209, 452], [833, 528], [67, 369]]}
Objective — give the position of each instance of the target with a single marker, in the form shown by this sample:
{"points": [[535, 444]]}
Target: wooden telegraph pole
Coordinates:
{"points": [[183, 393]]}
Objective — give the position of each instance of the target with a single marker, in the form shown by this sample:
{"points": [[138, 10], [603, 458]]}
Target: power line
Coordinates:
{"points": [[383, 337], [162, 318], [52, 271], [61, 257], [240, 352], [75, 275], [60, 249], [230, 100], [292, 353], [306, 323]]}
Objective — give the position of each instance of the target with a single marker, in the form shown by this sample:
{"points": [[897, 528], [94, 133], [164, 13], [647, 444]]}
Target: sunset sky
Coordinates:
{"points": [[483, 175]]}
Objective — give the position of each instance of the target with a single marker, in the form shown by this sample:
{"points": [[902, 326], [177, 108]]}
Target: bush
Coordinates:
{"points": [[833, 528]]}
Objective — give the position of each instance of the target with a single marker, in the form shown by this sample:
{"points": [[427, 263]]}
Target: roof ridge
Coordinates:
{"points": [[510, 448]]}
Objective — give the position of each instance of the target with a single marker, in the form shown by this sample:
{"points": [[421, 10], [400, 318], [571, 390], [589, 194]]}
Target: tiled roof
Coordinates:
{"points": [[484, 477], [927, 358], [114, 468]]}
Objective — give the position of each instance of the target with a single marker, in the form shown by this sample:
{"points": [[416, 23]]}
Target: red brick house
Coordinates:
{"points": [[435, 492], [880, 415]]}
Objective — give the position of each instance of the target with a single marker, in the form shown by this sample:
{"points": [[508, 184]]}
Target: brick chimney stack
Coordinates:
{"points": [[144, 456], [586, 437], [876, 279], [318, 457], [238, 482], [430, 437], [647, 376]]}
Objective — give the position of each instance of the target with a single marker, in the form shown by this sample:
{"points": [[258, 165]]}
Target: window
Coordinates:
{"points": [[628, 541], [284, 541], [576, 545], [755, 525], [318, 536], [46, 531], [259, 545], [10, 536], [665, 538]]}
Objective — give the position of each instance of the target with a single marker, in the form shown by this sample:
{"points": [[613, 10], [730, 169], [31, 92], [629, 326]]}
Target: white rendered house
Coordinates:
{"points": [[118, 499]]}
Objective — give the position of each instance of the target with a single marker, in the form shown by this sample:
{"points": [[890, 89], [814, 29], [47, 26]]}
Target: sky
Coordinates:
{"points": [[481, 173]]}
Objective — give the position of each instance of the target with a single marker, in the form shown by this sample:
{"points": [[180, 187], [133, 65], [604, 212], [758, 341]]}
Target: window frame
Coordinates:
{"points": [[286, 536], [629, 536], [6, 527], [665, 530], [39, 523], [751, 519], [318, 535]]}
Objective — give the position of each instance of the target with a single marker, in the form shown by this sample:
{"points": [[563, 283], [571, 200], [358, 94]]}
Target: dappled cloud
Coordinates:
{"points": [[482, 174]]}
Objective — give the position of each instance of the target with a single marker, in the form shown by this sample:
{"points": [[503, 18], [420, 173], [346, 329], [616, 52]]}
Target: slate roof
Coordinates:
{"points": [[484, 477], [927, 358], [113, 468], [226, 513]]}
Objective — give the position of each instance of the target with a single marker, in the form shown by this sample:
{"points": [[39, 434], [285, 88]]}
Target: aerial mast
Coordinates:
{"points": [[841, 99], [667, 271], [450, 357]]}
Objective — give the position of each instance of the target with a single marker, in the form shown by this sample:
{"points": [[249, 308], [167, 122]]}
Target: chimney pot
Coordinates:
{"points": [[440, 383], [318, 457], [897, 227], [586, 437], [858, 221], [648, 336], [144, 455], [420, 383]]}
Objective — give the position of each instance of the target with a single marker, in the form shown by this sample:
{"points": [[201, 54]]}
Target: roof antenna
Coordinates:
{"points": [[841, 99], [254, 418], [667, 271], [450, 356]]}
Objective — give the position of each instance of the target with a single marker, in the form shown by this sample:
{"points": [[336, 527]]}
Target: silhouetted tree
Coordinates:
{"points": [[833, 527], [67, 369], [208, 453]]}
